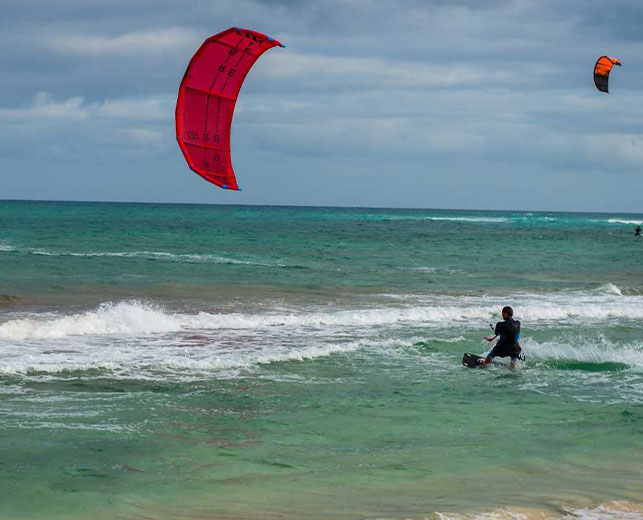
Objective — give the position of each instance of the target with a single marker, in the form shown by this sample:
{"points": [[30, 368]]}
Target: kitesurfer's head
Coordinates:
{"points": [[507, 312]]}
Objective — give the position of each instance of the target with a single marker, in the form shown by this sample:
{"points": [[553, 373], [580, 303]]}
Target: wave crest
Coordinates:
{"points": [[140, 318]]}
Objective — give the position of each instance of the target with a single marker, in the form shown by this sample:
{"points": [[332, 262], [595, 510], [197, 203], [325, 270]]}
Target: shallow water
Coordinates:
{"points": [[258, 362]]}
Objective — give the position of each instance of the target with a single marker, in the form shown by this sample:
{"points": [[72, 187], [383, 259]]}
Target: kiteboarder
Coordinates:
{"points": [[637, 231], [507, 332]]}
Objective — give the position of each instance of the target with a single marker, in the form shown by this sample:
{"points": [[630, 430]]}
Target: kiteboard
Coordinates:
{"points": [[471, 360]]}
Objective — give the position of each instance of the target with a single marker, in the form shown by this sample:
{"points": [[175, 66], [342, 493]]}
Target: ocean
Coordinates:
{"points": [[174, 361]]}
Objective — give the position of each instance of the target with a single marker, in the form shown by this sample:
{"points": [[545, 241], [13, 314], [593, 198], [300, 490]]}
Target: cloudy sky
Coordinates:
{"points": [[484, 104]]}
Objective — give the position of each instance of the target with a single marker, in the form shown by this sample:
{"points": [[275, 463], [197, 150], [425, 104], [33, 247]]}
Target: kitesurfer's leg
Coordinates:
{"points": [[516, 356], [489, 358]]}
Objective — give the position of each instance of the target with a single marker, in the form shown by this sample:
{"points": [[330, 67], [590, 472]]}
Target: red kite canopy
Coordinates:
{"points": [[602, 71], [207, 96]]}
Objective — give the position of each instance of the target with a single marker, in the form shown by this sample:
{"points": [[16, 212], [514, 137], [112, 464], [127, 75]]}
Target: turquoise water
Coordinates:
{"points": [[186, 361]]}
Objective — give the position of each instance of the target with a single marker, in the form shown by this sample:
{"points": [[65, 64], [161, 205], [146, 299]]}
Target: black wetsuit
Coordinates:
{"points": [[508, 332]]}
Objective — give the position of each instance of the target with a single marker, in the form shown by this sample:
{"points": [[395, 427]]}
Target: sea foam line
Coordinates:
{"points": [[140, 318], [469, 219], [154, 364], [623, 221], [613, 511], [155, 255]]}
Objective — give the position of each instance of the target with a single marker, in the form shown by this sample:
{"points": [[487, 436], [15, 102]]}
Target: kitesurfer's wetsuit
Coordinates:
{"points": [[508, 332]]}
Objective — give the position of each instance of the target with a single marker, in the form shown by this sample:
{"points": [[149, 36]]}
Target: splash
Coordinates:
{"points": [[583, 354]]}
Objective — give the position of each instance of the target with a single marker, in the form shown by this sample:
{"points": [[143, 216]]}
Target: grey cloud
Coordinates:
{"points": [[443, 97]]}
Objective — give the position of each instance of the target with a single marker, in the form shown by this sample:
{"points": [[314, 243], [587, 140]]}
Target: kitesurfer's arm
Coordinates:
{"points": [[495, 331]]}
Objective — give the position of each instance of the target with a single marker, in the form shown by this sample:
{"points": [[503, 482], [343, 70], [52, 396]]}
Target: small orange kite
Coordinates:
{"points": [[602, 71]]}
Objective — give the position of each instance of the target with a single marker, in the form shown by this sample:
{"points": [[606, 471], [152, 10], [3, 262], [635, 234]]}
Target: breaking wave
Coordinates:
{"points": [[136, 318], [584, 353], [623, 221]]}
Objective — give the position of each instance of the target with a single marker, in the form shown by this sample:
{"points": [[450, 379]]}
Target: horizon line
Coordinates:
{"points": [[409, 208]]}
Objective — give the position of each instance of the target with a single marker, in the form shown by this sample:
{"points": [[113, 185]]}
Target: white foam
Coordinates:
{"points": [[469, 219], [610, 288], [606, 302], [613, 511], [581, 312], [456, 339], [136, 318], [623, 221], [181, 357], [121, 318], [122, 360], [503, 514], [143, 340], [57, 426], [156, 255], [584, 350]]}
